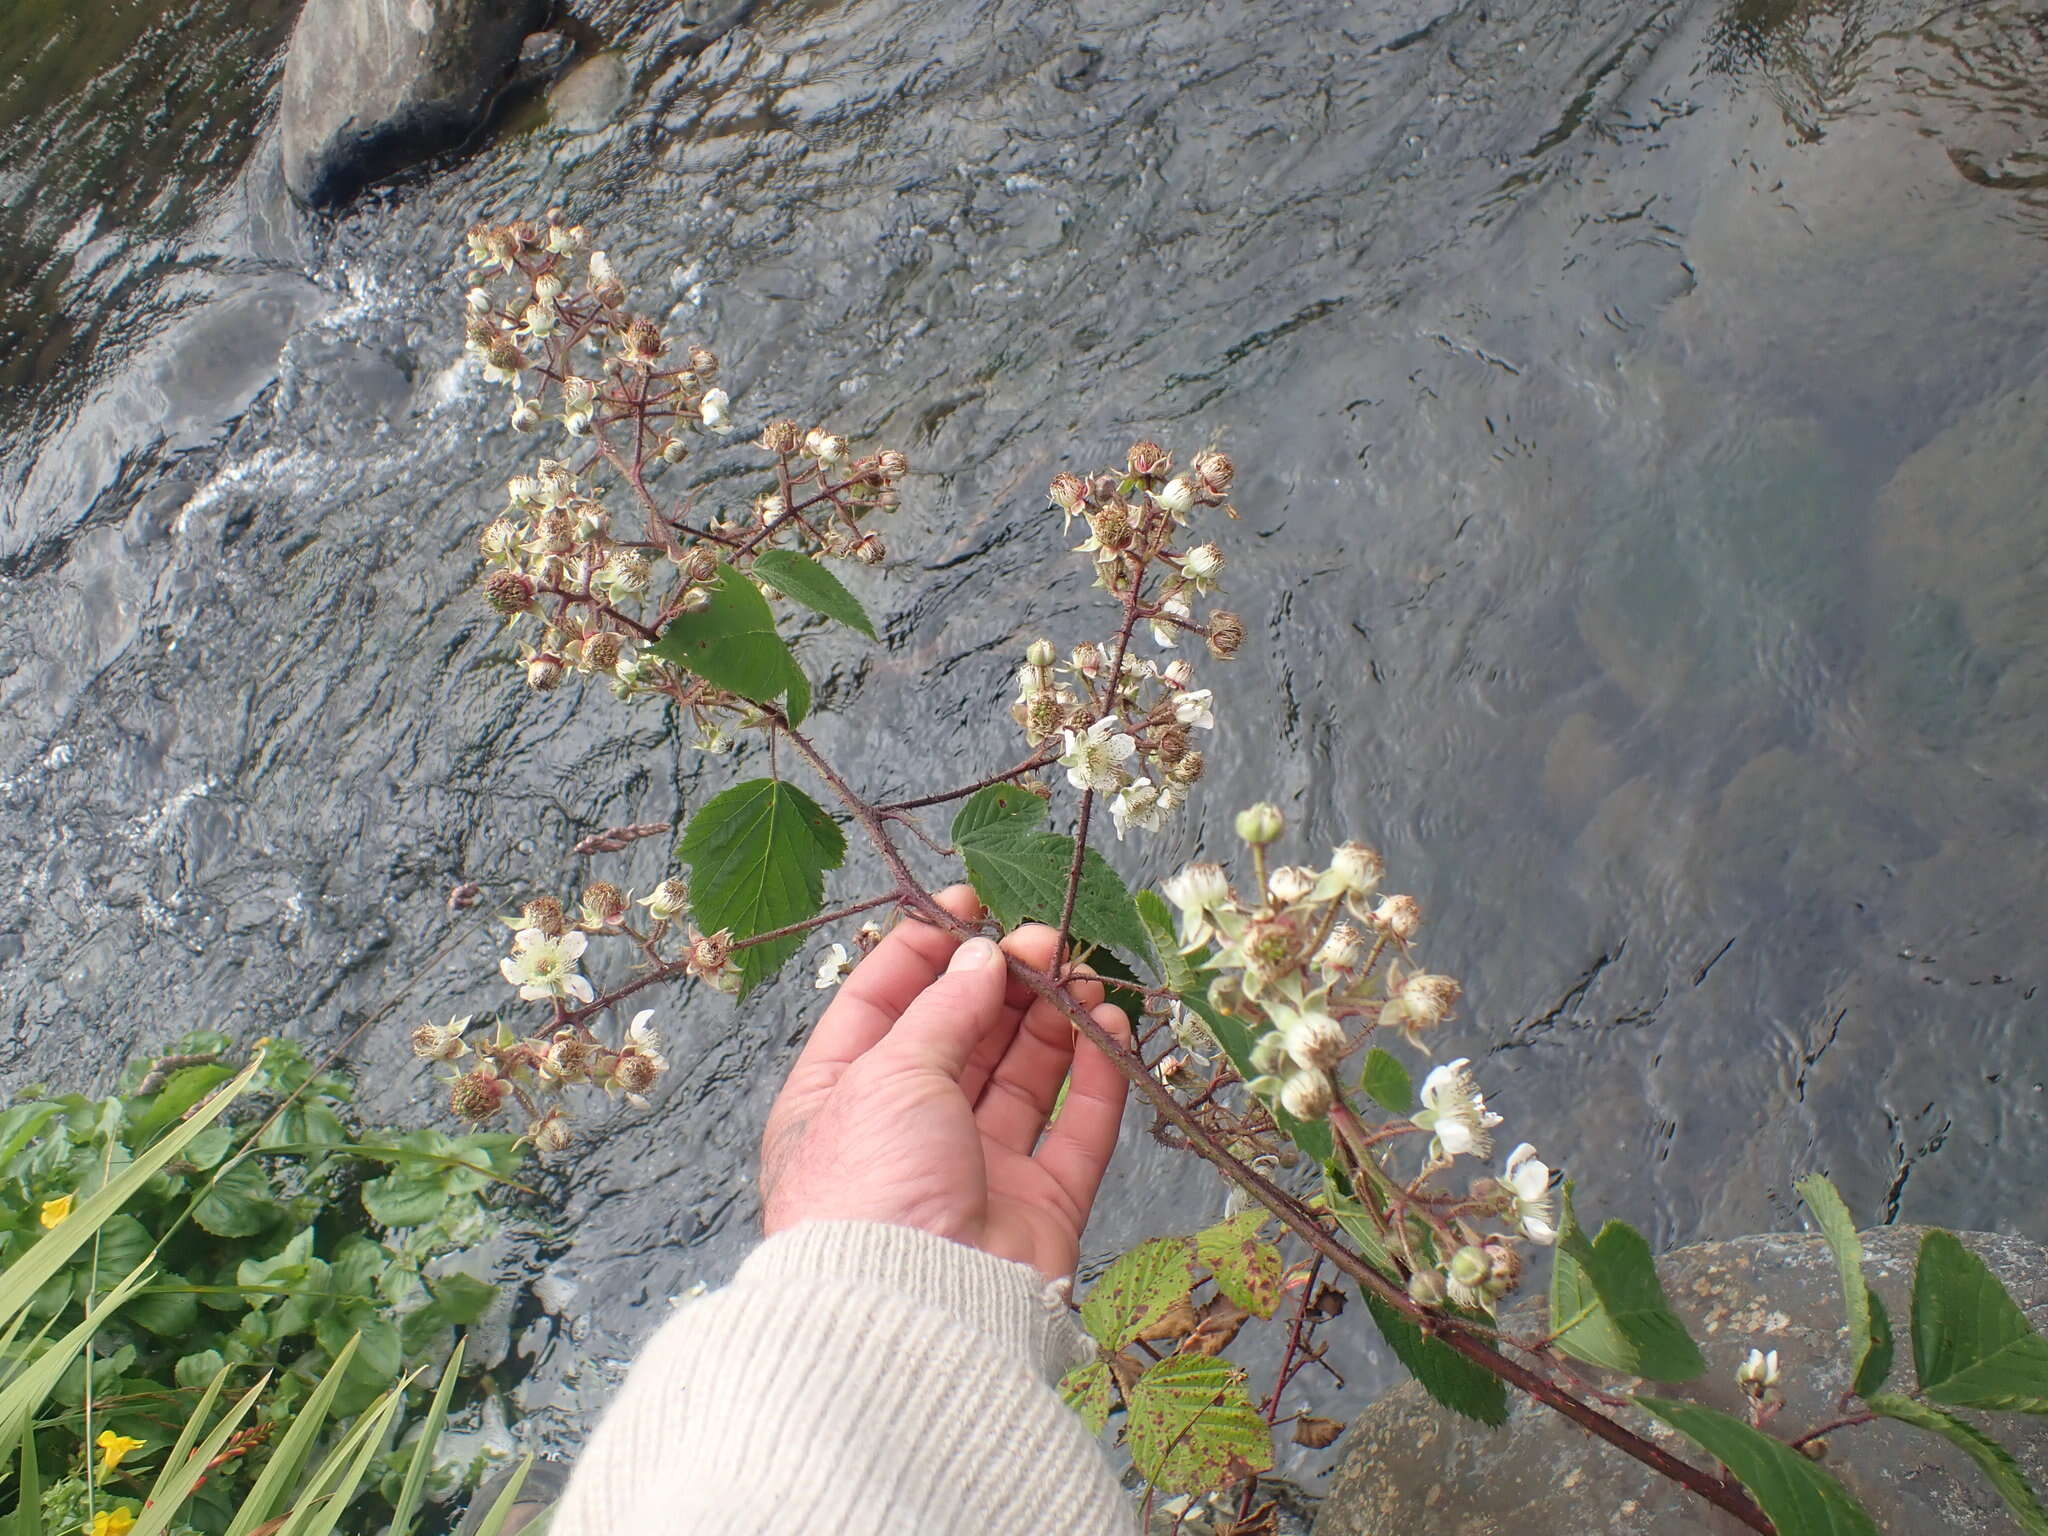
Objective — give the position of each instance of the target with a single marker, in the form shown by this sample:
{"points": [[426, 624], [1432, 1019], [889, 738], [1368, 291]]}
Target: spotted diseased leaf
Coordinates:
{"points": [[1138, 1290], [1020, 872], [731, 642], [1247, 1268], [758, 855], [1191, 1428], [1316, 1433], [1387, 1083], [1972, 1346], [808, 582], [1088, 1390], [1870, 1330], [1995, 1460], [1459, 1384], [1608, 1305], [1799, 1497]]}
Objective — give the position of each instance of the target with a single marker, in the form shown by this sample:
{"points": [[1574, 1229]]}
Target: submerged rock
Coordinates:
{"points": [[1412, 1466], [373, 85]]}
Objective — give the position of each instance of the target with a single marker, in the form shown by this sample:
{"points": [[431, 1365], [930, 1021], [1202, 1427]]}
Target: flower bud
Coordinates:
{"points": [[1069, 493], [1505, 1275], [544, 673], [525, 415], [674, 450], [1214, 470], [1342, 950], [499, 539], [547, 288], [479, 301], [712, 411], [1290, 883], [544, 913], [604, 902], [1177, 496], [1426, 1288], [825, 447], [700, 567], [1261, 824], [508, 592], [477, 1095], [1308, 1095], [1398, 916], [1148, 458], [1471, 1266], [644, 341], [668, 900], [1758, 1372], [782, 436], [1226, 634], [601, 651], [893, 465], [1316, 1042], [1040, 653], [550, 1133]]}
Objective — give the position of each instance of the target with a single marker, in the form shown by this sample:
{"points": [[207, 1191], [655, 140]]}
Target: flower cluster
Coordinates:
{"points": [[1317, 963], [1124, 724], [561, 552]]}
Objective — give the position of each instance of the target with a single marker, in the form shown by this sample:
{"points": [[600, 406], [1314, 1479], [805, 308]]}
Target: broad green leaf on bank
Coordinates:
{"points": [[1608, 1305], [808, 582], [1997, 1462], [1088, 1390], [1799, 1497], [731, 642], [1461, 1385], [1972, 1346], [1246, 1266], [1137, 1290], [1191, 1428], [1020, 872], [1235, 1036], [1387, 1083], [758, 855], [1870, 1330]]}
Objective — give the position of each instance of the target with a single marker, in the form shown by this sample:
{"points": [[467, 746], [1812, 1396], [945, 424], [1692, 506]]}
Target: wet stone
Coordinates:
{"points": [[371, 86], [1412, 1466]]}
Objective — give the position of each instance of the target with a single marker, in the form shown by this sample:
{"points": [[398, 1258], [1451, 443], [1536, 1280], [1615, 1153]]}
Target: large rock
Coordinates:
{"points": [[1412, 1467], [372, 85]]}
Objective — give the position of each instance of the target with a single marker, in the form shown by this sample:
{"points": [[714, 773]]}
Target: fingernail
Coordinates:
{"points": [[974, 955]]}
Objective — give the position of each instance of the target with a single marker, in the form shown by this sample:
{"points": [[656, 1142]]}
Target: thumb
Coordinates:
{"points": [[945, 1022]]}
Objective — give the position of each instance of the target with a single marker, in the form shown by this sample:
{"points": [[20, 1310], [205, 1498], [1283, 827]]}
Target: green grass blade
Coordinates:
{"points": [[339, 1478], [30, 1387], [501, 1511], [189, 1434], [175, 1485], [423, 1449], [28, 1516], [27, 1275], [274, 1485]]}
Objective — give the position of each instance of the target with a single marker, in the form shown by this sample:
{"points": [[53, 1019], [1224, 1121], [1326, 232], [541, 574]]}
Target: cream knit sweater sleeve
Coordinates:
{"points": [[854, 1378]]}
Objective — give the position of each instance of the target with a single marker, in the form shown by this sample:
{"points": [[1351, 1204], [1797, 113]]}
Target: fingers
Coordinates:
{"points": [[1031, 945], [909, 959], [1082, 1140], [1013, 1108], [953, 1015]]}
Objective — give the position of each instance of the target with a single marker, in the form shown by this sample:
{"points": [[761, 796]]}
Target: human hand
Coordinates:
{"points": [[923, 1091]]}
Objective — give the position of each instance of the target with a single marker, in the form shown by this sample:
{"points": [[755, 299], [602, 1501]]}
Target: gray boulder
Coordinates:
{"points": [[373, 85], [1410, 1466]]}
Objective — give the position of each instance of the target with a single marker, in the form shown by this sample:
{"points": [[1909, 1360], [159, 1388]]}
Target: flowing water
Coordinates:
{"points": [[1642, 422]]}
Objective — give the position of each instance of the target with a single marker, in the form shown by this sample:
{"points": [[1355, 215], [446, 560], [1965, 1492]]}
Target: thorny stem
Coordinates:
{"points": [[1031, 764], [1846, 1421]]}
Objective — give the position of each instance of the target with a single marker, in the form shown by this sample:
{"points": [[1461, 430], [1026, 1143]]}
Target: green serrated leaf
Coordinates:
{"points": [[1137, 1289], [1246, 1267], [1972, 1347], [731, 642], [1312, 1136], [812, 584], [1356, 1221], [1799, 1497], [1020, 872], [1459, 1384], [1608, 1305], [1997, 1462], [1089, 1391], [1870, 1334], [1387, 1083], [1175, 970], [758, 855], [1192, 1429]]}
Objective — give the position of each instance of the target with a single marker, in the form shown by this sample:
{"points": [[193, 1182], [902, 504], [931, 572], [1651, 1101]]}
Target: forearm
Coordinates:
{"points": [[854, 1378]]}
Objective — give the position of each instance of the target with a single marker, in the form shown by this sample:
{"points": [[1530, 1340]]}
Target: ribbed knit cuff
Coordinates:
{"points": [[1012, 1304]]}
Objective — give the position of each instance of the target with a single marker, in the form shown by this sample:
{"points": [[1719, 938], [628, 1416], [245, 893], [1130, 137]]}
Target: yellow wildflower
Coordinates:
{"points": [[111, 1522], [56, 1210], [113, 1449]]}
